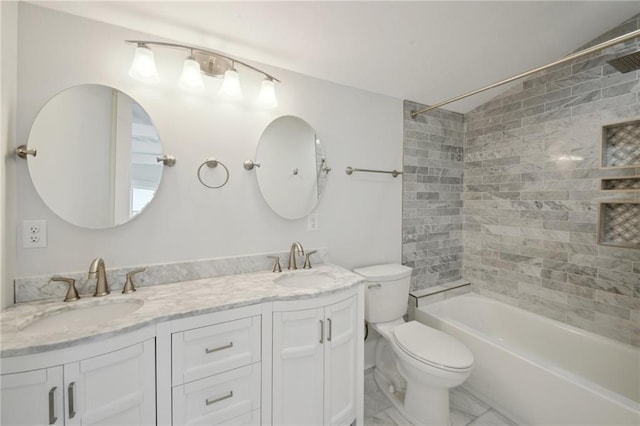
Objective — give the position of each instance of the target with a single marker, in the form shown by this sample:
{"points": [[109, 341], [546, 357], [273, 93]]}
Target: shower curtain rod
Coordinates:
{"points": [[576, 55]]}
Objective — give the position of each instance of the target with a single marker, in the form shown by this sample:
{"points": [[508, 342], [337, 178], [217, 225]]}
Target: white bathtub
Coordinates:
{"points": [[541, 371]]}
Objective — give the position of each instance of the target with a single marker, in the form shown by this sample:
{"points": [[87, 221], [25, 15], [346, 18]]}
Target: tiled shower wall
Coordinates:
{"points": [[432, 196], [531, 192]]}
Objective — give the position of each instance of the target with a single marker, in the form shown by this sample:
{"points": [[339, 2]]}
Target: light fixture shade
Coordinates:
{"points": [[191, 77], [231, 84], [267, 97], [143, 67]]}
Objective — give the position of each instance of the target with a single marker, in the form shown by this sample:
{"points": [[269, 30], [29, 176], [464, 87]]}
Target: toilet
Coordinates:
{"points": [[415, 365]]}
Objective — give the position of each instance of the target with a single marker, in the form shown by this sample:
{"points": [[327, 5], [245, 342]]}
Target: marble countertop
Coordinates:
{"points": [[159, 303]]}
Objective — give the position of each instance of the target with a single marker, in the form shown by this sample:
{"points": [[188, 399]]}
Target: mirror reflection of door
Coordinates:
{"points": [[96, 164]]}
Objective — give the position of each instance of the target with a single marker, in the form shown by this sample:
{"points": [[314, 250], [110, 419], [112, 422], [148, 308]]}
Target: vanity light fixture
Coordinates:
{"points": [[231, 84], [191, 77], [200, 62], [143, 67], [267, 96]]}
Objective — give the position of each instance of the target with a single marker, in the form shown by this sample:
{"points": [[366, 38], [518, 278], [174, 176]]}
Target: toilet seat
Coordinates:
{"points": [[432, 347]]}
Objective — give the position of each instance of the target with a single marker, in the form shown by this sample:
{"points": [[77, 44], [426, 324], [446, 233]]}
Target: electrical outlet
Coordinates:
{"points": [[312, 222], [34, 233]]}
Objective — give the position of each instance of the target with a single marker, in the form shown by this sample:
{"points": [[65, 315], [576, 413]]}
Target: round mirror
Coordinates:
{"points": [[293, 169], [96, 156]]}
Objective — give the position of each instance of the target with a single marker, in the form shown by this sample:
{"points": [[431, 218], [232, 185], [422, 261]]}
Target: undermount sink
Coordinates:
{"points": [[304, 279], [79, 316]]}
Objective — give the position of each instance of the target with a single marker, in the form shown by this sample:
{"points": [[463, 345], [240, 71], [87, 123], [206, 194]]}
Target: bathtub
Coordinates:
{"points": [[540, 371]]}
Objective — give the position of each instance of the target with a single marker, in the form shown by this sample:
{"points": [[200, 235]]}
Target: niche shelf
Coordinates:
{"points": [[619, 224], [628, 183], [621, 145]]}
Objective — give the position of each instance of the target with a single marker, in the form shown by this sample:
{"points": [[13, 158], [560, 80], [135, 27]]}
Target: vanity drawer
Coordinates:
{"points": [[232, 397], [210, 350]]}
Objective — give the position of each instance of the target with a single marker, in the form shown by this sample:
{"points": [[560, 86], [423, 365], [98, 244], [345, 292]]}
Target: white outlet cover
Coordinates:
{"points": [[34, 233], [312, 222]]}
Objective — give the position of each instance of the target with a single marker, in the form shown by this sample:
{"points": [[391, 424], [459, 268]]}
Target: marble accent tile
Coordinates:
{"points": [[28, 289], [432, 188]]}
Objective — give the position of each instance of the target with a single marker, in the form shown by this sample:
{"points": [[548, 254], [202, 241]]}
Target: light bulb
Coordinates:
{"points": [[267, 96], [143, 67], [231, 84], [191, 77]]}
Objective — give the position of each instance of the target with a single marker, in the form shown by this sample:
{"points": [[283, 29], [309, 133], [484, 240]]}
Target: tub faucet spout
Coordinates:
{"points": [[296, 246], [97, 270]]}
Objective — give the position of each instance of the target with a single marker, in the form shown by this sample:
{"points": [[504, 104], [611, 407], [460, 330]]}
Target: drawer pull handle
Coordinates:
{"points": [[72, 411], [52, 408], [222, 398], [321, 331], [330, 330], [207, 350]]}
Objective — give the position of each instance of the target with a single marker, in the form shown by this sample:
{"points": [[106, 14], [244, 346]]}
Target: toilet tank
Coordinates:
{"points": [[386, 291]]}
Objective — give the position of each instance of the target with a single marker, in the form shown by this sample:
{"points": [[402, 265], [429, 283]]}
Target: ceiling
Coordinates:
{"points": [[425, 51]]}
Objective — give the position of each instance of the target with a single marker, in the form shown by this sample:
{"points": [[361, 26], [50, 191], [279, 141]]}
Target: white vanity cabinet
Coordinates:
{"points": [[216, 368], [285, 356], [106, 383], [317, 361]]}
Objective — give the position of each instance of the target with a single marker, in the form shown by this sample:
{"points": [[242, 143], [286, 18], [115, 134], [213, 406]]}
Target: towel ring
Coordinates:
{"points": [[212, 163]]}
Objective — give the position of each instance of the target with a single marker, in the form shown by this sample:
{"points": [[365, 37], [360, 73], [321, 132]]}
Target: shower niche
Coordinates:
{"points": [[621, 145], [619, 221], [619, 224]]}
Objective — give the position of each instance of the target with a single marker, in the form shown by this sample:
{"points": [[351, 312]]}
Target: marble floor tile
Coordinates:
{"points": [[458, 418], [466, 409], [462, 401], [378, 419], [397, 418], [374, 400], [492, 418]]}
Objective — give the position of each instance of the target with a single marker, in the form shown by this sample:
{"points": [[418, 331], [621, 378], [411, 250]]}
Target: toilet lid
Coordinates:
{"points": [[389, 272], [432, 346]]}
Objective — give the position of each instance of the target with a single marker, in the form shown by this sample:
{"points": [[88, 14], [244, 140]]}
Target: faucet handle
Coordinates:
{"points": [[307, 262], [72, 293], [128, 285], [276, 265]]}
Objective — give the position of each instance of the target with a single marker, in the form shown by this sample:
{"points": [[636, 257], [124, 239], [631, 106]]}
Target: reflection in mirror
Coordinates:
{"points": [[96, 165], [293, 169]]}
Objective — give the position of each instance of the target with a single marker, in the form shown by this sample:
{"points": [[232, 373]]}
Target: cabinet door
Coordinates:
{"points": [[298, 367], [32, 397], [340, 362], [117, 388]]}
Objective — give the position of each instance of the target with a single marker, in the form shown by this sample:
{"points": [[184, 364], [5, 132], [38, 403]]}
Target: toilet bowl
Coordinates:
{"points": [[415, 364]]}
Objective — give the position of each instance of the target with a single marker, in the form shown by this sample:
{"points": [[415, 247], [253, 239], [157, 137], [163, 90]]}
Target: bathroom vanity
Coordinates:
{"points": [[259, 348]]}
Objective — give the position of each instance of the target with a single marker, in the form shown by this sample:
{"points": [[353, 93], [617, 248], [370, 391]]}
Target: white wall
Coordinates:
{"points": [[359, 215], [8, 80]]}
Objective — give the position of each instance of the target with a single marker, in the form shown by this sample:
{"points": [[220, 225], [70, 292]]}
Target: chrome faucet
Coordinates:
{"points": [[296, 246], [96, 270]]}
